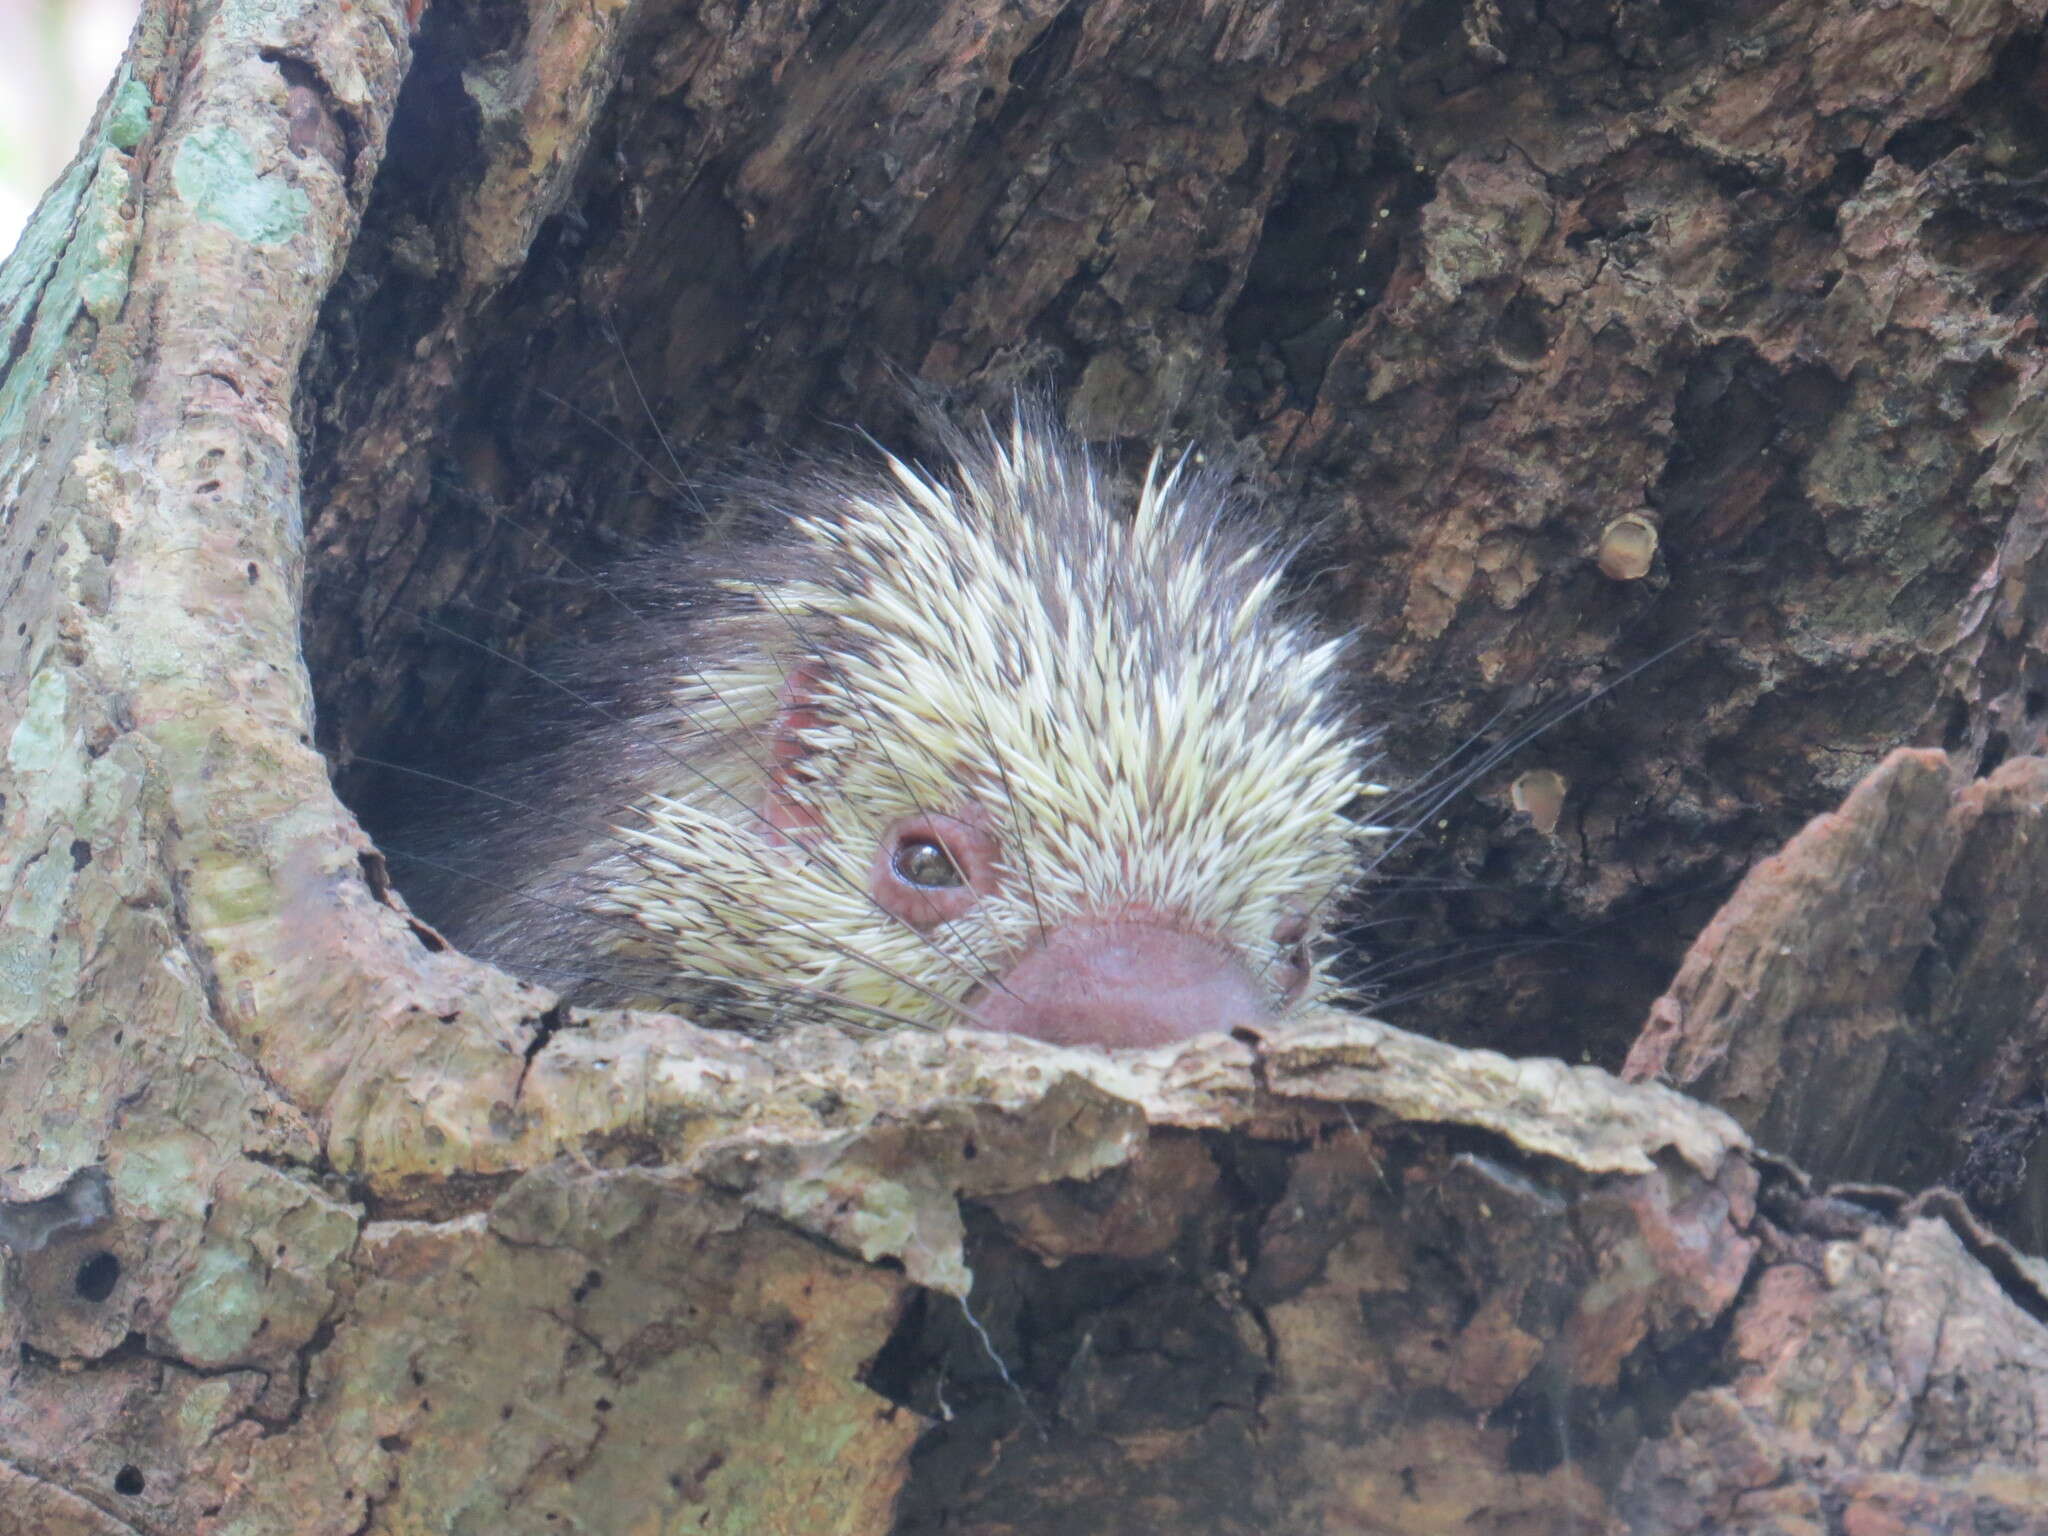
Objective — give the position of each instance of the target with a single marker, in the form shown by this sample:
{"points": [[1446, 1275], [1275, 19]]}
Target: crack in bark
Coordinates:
{"points": [[549, 1024]]}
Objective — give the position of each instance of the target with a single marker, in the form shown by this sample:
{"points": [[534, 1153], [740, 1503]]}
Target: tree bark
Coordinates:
{"points": [[1569, 334]]}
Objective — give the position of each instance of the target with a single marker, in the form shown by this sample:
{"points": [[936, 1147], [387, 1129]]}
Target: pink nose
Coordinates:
{"points": [[1123, 984]]}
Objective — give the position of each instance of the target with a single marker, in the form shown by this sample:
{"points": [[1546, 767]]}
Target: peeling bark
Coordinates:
{"points": [[340, 320]]}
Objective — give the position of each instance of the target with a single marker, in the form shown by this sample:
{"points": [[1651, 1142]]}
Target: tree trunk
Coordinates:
{"points": [[1571, 336]]}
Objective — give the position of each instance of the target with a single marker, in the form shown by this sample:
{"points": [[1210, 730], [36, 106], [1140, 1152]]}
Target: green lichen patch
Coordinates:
{"points": [[216, 172], [219, 1307], [41, 737], [128, 113]]}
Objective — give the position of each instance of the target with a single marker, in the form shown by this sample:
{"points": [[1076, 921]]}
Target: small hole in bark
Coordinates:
{"points": [[1957, 730], [1048, 54], [2034, 702], [1997, 747], [1918, 145], [1541, 1437], [1203, 288], [1522, 334], [592, 1280], [604, 1405], [96, 1277], [1852, 169], [128, 1482], [81, 853], [252, 573], [1429, 27]]}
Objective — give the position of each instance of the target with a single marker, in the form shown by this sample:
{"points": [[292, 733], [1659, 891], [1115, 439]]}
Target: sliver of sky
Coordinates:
{"points": [[56, 57]]}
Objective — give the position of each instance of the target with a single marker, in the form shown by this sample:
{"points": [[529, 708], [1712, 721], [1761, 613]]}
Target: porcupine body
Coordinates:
{"points": [[971, 747]]}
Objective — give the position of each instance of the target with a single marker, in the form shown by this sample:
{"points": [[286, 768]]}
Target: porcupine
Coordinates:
{"points": [[967, 747]]}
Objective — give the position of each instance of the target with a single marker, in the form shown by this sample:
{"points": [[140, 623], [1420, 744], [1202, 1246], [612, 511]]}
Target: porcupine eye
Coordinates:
{"points": [[931, 868], [924, 863]]}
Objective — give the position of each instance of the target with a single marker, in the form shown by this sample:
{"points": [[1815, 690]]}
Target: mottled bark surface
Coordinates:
{"points": [[1897, 952], [1569, 334]]}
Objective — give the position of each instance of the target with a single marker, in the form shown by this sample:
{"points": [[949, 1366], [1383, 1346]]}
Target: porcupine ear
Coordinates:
{"points": [[785, 810]]}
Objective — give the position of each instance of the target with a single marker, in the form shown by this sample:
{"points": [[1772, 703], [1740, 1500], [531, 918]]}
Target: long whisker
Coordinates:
{"points": [[1415, 807], [1487, 761], [611, 334]]}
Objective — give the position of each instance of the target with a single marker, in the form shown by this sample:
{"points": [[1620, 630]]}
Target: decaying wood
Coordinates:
{"points": [[1574, 333], [1896, 951]]}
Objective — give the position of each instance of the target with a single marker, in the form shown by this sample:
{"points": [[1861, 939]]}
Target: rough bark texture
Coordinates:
{"points": [[309, 1224], [1897, 952]]}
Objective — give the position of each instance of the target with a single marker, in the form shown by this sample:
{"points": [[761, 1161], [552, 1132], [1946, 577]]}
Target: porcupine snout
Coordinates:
{"points": [[1119, 984]]}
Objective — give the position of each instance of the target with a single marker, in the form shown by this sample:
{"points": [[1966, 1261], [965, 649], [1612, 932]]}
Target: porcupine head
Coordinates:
{"points": [[980, 748]]}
